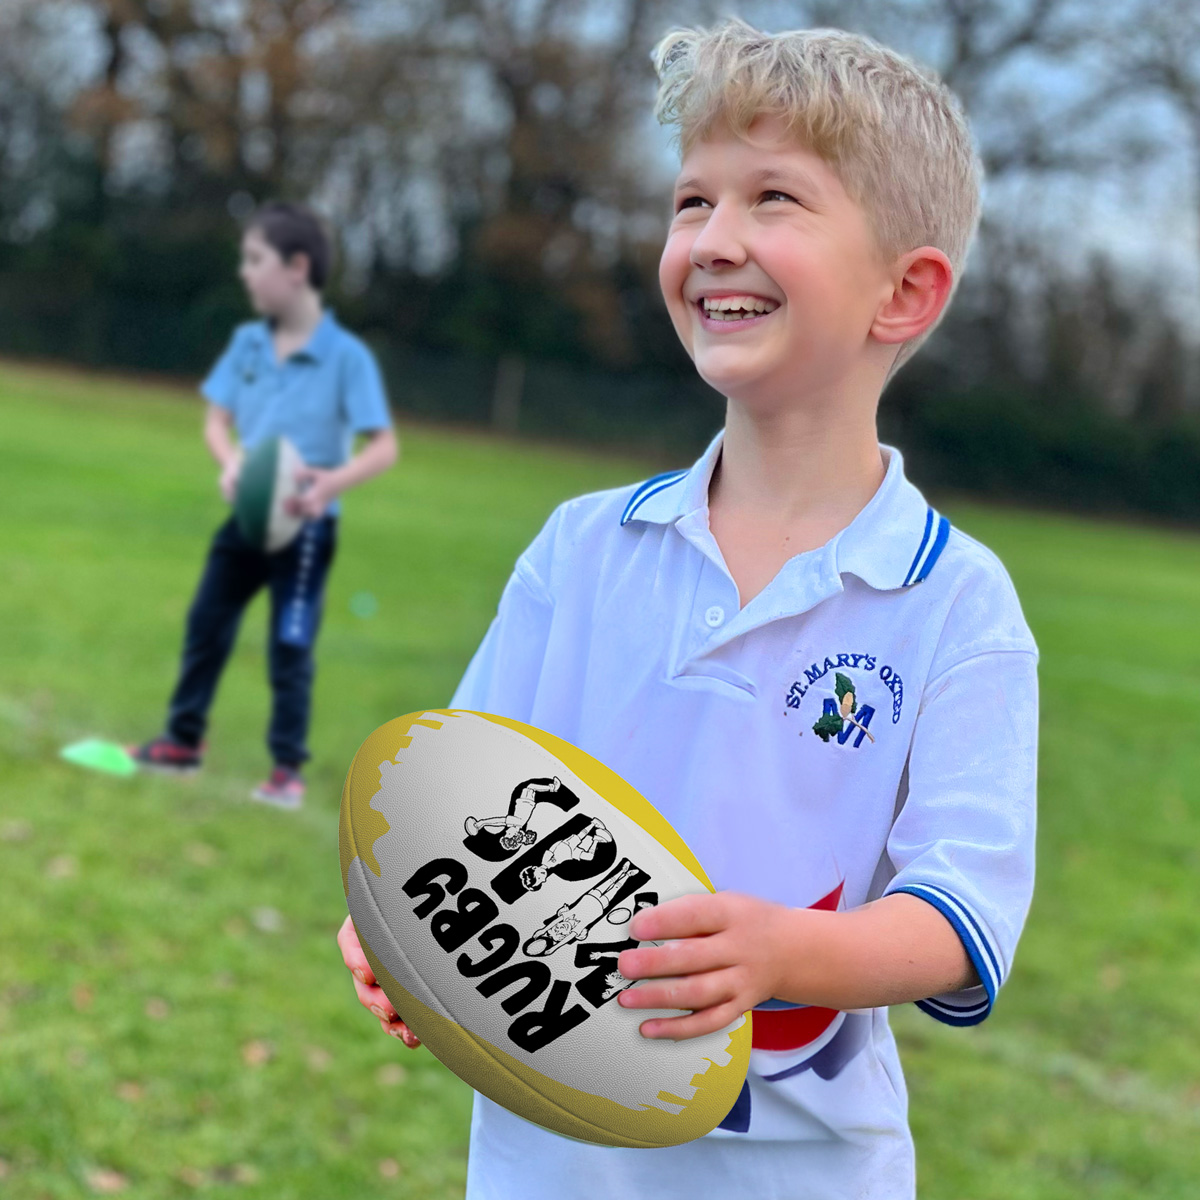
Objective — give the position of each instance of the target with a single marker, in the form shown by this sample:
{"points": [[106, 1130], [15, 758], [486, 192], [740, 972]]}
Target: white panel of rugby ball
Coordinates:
{"points": [[266, 486], [491, 870]]}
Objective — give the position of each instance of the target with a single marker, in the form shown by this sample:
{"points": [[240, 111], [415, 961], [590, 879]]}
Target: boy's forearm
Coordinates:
{"points": [[375, 457], [219, 439], [891, 951]]}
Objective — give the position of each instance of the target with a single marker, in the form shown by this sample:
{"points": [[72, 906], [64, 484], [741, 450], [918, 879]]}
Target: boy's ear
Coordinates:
{"points": [[299, 261], [922, 280]]}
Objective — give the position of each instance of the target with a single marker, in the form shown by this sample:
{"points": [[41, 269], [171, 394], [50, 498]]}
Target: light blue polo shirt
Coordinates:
{"points": [[320, 396], [621, 630]]}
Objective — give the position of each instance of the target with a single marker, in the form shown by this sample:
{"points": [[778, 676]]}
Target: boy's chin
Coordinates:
{"points": [[265, 306], [738, 380]]}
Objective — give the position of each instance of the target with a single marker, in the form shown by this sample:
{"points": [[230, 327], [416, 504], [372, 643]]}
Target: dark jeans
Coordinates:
{"points": [[233, 574]]}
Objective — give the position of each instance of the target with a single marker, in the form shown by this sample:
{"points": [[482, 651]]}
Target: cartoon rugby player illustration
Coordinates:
{"points": [[572, 922], [578, 847], [603, 981], [513, 827], [614, 981]]}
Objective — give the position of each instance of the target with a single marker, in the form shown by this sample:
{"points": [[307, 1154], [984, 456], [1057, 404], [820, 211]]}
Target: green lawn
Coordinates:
{"points": [[173, 1013]]}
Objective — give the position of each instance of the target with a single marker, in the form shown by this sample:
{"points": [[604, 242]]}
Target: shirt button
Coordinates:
{"points": [[714, 616]]}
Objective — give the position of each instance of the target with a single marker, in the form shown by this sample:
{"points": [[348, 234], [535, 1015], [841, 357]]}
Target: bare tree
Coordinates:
{"points": [[214, 87], [1048, 88], [1157, 47], [513, 122], [508, 135]]}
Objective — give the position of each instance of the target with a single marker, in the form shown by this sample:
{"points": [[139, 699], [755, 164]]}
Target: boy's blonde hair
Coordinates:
{"points": [[890, 129]]}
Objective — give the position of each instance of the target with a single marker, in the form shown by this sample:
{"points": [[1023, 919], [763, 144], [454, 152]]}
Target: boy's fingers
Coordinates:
{"points": [[374, 998], [695, 992], [398, 1029], [307, 476], [348, 943], [708, 1020], [683, 917], [684, 957], [369, 994], [352, 952]]}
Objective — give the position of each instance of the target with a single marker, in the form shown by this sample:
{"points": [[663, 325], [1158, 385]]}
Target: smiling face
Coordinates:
{"points": [[770, 271]]}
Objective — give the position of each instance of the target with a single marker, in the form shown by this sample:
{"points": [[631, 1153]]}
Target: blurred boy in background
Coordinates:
{"points": [[293, 372]]}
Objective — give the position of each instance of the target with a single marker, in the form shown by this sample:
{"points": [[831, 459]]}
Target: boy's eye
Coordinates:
{"points": [[774, 194], [691, 202]]}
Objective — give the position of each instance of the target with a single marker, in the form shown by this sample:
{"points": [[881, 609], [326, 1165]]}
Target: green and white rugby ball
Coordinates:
{"points": [[266, 484]]}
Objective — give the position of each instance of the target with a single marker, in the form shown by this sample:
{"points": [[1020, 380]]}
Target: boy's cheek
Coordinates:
{"points": [[681, 320], [673, 270]]}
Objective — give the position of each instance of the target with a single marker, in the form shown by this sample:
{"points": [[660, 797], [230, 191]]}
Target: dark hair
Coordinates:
{"points": [[294, 229]]}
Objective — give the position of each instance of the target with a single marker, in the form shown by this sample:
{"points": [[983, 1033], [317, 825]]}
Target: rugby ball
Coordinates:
{"points": [[492, 870], [266, 483]]}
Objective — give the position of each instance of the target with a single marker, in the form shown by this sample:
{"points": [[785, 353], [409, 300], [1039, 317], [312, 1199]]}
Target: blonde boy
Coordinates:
{"points": [[830, 692]]}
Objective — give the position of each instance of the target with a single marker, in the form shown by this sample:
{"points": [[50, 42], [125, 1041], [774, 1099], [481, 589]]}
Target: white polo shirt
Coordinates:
{"points": [[620, 630]]}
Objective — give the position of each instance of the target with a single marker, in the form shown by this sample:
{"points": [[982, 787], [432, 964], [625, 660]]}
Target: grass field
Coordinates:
{"points": [[174, 1017]]}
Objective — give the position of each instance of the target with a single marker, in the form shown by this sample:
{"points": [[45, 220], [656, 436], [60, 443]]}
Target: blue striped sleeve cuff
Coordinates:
{"points": [[967, 1007]]}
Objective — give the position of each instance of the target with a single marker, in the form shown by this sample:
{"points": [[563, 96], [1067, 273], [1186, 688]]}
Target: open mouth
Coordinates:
{"points": [[735, 309]]}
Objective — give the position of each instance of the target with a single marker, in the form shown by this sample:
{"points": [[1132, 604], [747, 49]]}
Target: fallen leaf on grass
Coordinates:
{"points": [[129, 1089], [62, 866], [82, 997], [201, 853], [257, 1052], [267, 919], [105, 1179], [318, 1058], [389, 1168], [390, 1074], [157, 1008]]}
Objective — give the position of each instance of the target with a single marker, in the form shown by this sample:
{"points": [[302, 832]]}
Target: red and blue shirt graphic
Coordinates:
{"points": [[803, 1037]]}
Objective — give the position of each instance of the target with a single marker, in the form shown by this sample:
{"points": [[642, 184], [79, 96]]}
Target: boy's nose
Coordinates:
{"points": [[719, 243]]}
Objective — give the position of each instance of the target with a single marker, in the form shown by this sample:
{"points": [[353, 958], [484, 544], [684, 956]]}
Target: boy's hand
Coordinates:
{"points": [[319, 488], [370, 994], [227, 481], [726, 961]]}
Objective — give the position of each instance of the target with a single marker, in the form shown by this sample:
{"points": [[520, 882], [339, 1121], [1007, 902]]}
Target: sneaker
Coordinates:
{"points": [[284, 789], [167, 755]]}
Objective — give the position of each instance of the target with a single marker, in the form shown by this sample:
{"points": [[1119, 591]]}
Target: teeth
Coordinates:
{"points": [[737, 308]]}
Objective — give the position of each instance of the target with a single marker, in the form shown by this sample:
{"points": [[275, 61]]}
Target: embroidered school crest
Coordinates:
{"points": [[833, 720], [844, 716]]}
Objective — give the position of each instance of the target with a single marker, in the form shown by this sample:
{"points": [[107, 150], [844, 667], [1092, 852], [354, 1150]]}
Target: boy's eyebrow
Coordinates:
{"points": [[788, 176], [763, 175]]}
